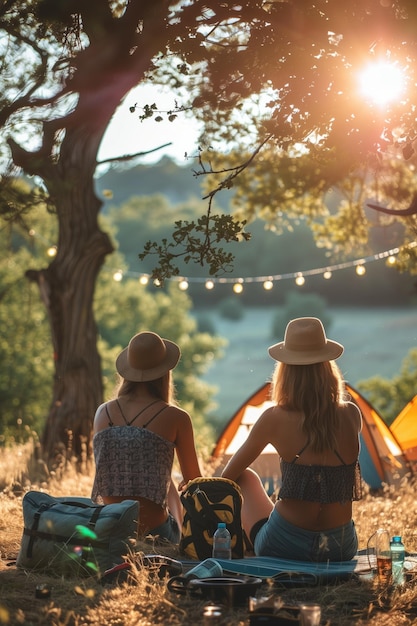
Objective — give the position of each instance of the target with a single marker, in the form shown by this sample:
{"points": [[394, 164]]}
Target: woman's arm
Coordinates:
{"points": [[185, 447], [257, 439]]}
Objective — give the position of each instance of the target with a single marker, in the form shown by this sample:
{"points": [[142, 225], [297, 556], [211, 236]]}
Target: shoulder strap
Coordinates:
{"points": [[122, 414], [297, 456], [108, 415], [157, 413], [140, 413], [339, 457]]}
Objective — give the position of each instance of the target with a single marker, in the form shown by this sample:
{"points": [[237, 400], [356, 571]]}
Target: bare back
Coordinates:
{"points": [[168, 422], [290, 440]]}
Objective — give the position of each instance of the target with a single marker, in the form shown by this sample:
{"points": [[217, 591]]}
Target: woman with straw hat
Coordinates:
{"points": [[135, 436], [315, 430]]}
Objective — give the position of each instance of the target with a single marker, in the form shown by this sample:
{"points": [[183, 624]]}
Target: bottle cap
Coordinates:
{"points": [[221, 525], [397, 539]]}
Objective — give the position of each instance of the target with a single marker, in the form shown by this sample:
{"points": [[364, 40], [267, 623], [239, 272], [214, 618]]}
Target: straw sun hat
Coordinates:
{"points": [[305, 343], [147, 357]]}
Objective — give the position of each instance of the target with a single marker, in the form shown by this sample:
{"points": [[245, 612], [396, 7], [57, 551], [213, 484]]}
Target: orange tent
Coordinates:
{"points": [[381, 457], [404, 428]]}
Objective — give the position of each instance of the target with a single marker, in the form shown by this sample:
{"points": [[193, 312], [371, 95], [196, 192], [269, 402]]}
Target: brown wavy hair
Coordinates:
{"points": [[318, 391], [162, 388]]}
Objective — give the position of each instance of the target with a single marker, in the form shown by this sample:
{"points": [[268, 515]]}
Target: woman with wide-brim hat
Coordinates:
{"points": [[136, 434], [315, 431]]}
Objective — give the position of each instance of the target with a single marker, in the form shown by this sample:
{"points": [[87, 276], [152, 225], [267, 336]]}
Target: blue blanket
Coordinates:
{"points": [[303, 573], [270, 567]]}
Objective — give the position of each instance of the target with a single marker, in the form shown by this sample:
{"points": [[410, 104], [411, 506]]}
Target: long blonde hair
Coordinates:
{"points": [[318, 391], [162, 388]]}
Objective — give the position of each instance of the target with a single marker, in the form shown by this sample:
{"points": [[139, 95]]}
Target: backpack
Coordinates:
{"points": [[206, 502]]}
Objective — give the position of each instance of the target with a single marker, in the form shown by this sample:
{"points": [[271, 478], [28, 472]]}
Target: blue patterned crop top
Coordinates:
{"points": [[326, 484]]}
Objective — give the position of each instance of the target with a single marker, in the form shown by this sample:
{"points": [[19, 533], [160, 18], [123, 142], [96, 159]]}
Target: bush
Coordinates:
{"points": [[300, 305], [231, 309]]}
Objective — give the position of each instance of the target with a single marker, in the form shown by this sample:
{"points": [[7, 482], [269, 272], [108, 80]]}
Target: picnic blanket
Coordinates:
{"points": [[297, 572], [291, 572]]}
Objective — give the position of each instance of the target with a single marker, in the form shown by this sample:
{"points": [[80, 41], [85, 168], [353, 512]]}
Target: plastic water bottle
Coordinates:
{"points": [[222, 548], [397, 557], [383, 556]]}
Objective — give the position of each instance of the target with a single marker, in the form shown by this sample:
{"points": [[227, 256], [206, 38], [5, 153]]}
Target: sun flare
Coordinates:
{"points": [[382, 82]]}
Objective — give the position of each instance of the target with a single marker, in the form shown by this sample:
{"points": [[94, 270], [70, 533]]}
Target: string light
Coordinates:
{"points": [[298, 277], [183, 284], [267, 281], [118, 276], [238, 287]]}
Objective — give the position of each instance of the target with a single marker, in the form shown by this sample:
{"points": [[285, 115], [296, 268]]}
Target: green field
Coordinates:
{"points": [[376, 342]]}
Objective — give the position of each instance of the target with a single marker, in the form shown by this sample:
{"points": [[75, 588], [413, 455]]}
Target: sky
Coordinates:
{"points": [[127, 134]]}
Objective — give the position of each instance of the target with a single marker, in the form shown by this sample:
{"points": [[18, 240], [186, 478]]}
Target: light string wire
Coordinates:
{"points": [[267, 280], [328, 269]]}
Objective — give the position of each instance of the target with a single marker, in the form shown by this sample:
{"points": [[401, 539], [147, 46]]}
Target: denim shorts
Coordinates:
{"points": [[168, 530], [281, 539]]}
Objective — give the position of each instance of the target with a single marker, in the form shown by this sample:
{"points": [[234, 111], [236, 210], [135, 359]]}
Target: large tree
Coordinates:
{"points": [[66, 67]]}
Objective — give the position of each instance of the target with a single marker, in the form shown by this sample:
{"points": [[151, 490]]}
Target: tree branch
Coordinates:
{"points": [[129, 157], [411, 210]]}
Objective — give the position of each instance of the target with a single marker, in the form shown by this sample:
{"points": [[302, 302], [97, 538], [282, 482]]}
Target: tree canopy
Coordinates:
{"points": [[273, 80]]}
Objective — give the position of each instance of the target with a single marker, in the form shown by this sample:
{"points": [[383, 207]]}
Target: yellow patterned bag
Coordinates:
{"points": [[206, 502]]}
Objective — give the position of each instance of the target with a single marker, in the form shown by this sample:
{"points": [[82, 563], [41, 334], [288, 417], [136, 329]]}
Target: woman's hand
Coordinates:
{"points": [[182, 485]]}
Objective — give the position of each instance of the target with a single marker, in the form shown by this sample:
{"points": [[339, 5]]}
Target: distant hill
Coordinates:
{"points": [[178, 184]]}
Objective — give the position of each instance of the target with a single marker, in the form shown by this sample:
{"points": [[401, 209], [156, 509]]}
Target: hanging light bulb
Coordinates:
{"points": [[360, 270], [157, 282], [300, 280], [238, 287], [144, 279], [391, 260], [268, 284], [52, 250], [327, 274], [209, 284], [183, 284], [117, 276]]}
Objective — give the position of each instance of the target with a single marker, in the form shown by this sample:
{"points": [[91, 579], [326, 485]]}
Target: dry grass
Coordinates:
{"points": [[147, 601]]}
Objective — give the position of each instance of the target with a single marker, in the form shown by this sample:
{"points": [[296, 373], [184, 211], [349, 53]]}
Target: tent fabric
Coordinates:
{"points": [[404, 428], [381, 456]]}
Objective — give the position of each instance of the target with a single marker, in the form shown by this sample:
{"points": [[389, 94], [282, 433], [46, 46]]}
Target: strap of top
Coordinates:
{"points": [[140, 412], [108, 415], [339, 457], [157, 413], [297, 456]]}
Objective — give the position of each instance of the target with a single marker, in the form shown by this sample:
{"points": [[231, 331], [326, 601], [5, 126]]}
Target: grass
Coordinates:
{"points": [[76, 602], [376, 341]]}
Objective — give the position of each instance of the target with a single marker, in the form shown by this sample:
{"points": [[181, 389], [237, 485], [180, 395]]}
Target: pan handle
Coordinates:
{"points": [[178, 584]]}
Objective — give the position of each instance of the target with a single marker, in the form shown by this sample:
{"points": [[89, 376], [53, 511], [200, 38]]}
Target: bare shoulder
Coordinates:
{"points": [[273, 417], [177, 413], [354, 414], [101, 418]]}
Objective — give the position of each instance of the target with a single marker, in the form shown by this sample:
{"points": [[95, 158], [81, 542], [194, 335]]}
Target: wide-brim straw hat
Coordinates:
{"points": [[147, 357], [305, 343]]}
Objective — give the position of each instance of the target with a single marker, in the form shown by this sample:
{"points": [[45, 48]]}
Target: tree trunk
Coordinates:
{"points": [[106, 71], [67, 289]]}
